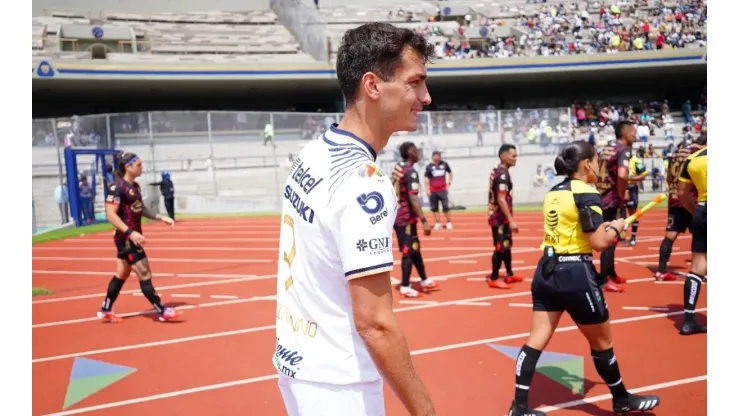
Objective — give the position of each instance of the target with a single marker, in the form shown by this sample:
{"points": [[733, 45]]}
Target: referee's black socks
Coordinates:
{"points": [[608, 368], [691, 290], [526, 362], [666, 247], [635, 224], [148, 290], [114, 288]]}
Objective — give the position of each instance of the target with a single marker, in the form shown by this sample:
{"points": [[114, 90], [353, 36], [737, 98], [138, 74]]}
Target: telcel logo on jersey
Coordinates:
{"points": [[285, 359]]}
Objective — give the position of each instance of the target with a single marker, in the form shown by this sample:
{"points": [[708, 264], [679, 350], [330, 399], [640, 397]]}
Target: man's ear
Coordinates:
{"points": [[370, 85]]}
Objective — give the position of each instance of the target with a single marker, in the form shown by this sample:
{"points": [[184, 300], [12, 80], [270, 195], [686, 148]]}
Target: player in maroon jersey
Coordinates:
{"points": [[679, 218], [124, 208], [501, 218], [435, 175], [406, 184], [614, 165]]}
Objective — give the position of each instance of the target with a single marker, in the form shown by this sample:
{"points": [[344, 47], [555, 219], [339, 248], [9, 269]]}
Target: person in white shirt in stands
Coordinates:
{"points": [[337, 335]]}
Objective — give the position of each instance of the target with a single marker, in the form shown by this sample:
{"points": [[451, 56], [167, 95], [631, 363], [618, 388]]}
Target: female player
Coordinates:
{"points": [[124, 209], [566, 280]]}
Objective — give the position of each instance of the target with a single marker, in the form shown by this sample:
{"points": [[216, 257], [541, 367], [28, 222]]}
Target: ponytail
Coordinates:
{"points": [[566, 163]]}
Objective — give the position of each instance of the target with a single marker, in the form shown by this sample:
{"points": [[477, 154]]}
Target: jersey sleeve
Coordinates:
{"points": [[623, 159], [115, 195], [362, 226], [591, 201], [500, 184], [428, 171], [411, 178], [448, 169]]}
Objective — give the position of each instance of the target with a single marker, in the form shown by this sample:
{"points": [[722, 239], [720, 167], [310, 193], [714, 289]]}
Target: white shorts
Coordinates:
{"points": [[306, 398]]}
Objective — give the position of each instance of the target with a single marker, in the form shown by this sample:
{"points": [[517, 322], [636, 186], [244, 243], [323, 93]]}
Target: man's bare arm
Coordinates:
{"points": [[149, 213], [622, 177], [416, 205], [112, 216], [504, 206], [376, 324]]}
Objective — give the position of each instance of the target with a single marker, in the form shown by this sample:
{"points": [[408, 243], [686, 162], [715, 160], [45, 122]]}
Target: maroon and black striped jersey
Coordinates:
{"points": [[405, 183], [499, 182], [127, 196]]}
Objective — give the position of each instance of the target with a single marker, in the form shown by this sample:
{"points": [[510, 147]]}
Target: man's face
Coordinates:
{"points": [[509, 158], [402, 98], [413, 154], [436, 158], [135, 168], [630, 134]]}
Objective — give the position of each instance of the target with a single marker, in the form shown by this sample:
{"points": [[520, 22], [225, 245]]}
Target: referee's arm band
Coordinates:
{"points": [[367, 271]]}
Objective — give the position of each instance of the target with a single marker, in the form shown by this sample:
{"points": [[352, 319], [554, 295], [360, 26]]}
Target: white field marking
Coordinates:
{"points": [[161, 288], [449, 347], [463, 261], [158, 260], [520, 305], [652, 387], [394, 281], [658, 248], [473, 304], [418, 302], [151, 312], [225, 249], [517, 262], [227, 297], [185, 275], [644, 308], [184, 295]]}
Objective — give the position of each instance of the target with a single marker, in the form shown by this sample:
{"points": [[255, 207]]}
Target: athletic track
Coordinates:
{"points": [[217, 360]]}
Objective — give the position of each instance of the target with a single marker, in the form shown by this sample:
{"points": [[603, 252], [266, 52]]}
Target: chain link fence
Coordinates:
{"points": [[238, 161]]}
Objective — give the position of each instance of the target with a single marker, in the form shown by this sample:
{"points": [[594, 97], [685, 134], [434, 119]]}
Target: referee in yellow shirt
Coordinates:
{"points": [[567, 281], [694, 174]]}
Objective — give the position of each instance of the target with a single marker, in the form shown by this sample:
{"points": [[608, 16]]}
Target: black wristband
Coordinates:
{"points": [[128, 232]]}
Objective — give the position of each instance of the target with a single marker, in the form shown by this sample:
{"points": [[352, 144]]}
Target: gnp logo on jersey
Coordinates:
{"points": [[375, 245], [286, 360]]}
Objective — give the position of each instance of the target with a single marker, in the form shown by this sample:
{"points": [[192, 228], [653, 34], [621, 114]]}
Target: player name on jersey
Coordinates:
{"points": [[306, 183]]}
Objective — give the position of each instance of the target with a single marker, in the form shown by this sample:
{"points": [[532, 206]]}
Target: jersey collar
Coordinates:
{"points": [[336, 130]]}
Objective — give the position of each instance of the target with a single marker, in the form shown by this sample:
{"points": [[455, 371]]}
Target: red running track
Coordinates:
{"points": [[218, 359]]}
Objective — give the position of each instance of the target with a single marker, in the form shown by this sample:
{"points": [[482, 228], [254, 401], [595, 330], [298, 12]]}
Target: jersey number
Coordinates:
{"points": [[289, 257], [602, 171]]}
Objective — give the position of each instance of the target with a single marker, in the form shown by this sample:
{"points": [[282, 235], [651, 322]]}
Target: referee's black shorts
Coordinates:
{"points": [[572, 287], [634, 201], [699, 229]]}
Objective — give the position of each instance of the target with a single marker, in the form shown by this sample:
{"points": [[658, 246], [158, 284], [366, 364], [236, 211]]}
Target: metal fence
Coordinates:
{"points": [[304, 22], [223, 162]]}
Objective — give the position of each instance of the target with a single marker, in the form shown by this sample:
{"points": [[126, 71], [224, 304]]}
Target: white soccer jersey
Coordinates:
{"points": [[337, 224]]}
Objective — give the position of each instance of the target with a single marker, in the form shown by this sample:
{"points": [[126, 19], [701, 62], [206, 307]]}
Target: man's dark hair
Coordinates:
{"points": [[505, 148], [404, 148], [701, 140], [375, 47], [621, 126]]}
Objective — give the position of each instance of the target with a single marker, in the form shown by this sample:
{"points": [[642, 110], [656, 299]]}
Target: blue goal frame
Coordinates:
{"points": [[70, 162]]}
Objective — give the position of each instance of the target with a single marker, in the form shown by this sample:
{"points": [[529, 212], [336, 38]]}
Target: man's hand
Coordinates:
{"points": [[167, 220], [514, 226], [137, 238], [427, 228]]}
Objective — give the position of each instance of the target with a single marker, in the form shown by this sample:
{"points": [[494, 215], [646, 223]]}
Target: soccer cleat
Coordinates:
{"points": [[664, 277], [449, 226], [610, 286], [513, 279], [520, 410], [633, 402], [169, 314], [429, 285], [618, 280], [109, 316], [438, 226], [691, 328], [630, 243], [497, 284], [409, 292]]}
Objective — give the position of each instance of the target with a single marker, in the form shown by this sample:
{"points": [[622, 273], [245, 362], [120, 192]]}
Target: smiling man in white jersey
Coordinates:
{"points": [[337, 336]]}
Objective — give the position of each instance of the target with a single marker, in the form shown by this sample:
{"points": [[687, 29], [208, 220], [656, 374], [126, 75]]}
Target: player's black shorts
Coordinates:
{"points": [[129, 251], [679, 220], [572, 287], [502, 237], [612, 213], [633, 201], [435, 198], [408, 239], [699, 229]]}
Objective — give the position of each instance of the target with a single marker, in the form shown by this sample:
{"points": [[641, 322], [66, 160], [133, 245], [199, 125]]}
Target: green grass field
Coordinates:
{"points": [[41, 291], [96, 228]]}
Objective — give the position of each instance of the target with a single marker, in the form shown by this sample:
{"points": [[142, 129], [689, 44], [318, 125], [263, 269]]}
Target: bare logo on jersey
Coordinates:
{"points": [[374, 246]]}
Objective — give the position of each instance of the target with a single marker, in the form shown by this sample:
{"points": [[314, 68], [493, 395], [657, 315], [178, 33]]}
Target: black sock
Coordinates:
{"points": [[419, 264], [406, 264], [634, 230], [608, 368], [607, 262], [526, 364], [691, 290], [507, 263], [665, 254], [148, 290], [114, 288], [496, 264]]}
